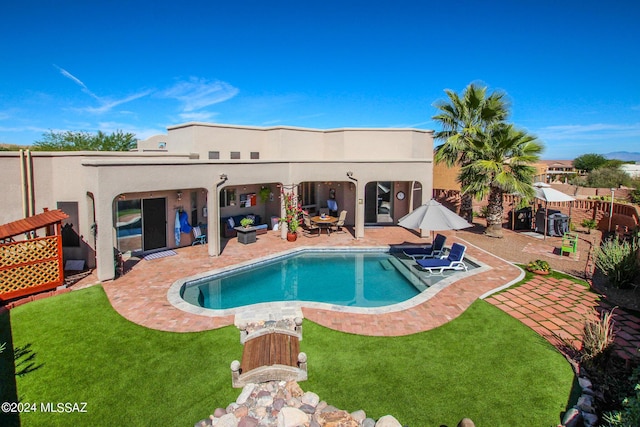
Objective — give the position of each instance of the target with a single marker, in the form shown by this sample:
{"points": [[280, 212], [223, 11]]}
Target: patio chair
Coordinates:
{"points": [[337, 227], [569, 244], [429, 251], [198, 236], [309, 227], [451, 262]]}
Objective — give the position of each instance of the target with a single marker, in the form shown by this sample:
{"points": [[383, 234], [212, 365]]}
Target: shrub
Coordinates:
{"points": [[598, 336], [617, 259], [629, 415], [589, 224]]}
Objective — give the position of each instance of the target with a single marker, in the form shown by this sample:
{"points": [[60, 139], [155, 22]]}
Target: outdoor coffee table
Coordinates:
{"points": [[324, 222]]}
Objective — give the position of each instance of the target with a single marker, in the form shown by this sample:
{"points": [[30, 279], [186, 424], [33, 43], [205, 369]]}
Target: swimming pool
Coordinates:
{"points": [[346, 278]]}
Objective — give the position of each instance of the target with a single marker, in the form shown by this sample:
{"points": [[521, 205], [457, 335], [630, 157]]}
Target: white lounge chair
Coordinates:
{"points": [[451, 262]]}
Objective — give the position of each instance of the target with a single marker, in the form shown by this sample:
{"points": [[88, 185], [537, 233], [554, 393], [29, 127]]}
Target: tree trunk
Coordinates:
{"points": [[466, 207], [494, 213]]}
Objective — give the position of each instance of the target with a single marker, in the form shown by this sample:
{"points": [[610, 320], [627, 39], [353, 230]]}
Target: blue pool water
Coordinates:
{"points": [[360, 279]]}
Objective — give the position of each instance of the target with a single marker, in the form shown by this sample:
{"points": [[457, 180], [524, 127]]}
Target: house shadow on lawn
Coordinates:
{"points": [[13, 362]]}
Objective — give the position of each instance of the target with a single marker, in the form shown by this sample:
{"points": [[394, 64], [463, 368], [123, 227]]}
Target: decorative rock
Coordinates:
{"points": [[292, 417], [590, 420], [248, 422], [219, 412], [585, 382], [265, 400], [307, 409], [466, 422], [246, 392], [585, 403], [369, 422], [240, 412], [314, 423], [260, 411], [278, 403], [320, 406], [336, 419], [359, 416], [310, 398], [388, 421], [294, 389], [329, 408], [227, 420], [571, 418]]}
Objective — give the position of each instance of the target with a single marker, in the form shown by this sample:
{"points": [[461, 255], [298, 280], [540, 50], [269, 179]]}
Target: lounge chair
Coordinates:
{"points": [[451, 262], [430, 251], [198, 236]]}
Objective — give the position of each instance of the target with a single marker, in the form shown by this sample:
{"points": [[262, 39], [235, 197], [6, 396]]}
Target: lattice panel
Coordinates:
{"points": [[28, 251], [28, 276]]}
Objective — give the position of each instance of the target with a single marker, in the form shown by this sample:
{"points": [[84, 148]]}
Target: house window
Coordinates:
{"points": [[214, 155], [255, 155], [235, 155]]}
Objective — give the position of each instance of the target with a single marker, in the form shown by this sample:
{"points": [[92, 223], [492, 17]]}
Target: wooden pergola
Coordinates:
{"points": [[34, 264]]}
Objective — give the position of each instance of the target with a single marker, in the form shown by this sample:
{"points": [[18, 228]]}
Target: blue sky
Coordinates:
{"points": [[570, 68]]}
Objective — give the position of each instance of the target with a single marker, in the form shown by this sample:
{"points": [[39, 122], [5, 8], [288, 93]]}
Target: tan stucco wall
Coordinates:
{"points": [[287, 143]]}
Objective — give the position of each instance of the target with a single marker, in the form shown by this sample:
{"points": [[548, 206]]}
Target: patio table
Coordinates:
{"points": [[324, 222]]}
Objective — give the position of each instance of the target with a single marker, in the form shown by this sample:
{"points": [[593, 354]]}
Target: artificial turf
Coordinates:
{"points": [[484, 365]]}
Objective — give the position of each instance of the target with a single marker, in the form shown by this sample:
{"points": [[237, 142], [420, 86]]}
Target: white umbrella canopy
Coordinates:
{"points": [[433, 216], [548, 194]]}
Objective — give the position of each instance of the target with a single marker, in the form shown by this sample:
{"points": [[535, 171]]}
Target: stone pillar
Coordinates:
{"points": [[213, 221]]}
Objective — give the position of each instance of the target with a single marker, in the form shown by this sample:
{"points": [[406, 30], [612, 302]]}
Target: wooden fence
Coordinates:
{"points": [[30, 266]]}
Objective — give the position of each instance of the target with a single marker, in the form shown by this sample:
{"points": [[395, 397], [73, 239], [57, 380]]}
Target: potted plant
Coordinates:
{"points": [[246, 222], [292, 215], [539, 267]]}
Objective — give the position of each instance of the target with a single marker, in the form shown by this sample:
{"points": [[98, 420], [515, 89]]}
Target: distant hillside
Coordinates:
{"points": [[625, 156]]}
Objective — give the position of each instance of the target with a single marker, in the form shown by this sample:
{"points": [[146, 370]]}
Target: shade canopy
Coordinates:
{"points": [[549, 194], [433, 216]]}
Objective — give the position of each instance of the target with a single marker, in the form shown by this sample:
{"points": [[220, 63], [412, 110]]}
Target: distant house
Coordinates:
{"points": [[633, 170], [560, 170]]}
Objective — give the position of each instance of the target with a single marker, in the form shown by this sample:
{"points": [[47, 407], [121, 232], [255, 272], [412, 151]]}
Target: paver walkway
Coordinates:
{"points": [[556, 309]]}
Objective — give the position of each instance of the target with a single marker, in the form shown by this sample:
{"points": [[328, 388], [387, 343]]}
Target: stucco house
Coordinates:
{"points": [[128, 200]]}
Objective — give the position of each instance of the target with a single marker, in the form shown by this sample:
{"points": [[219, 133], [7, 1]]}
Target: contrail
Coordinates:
{"points": [[79, 82]]}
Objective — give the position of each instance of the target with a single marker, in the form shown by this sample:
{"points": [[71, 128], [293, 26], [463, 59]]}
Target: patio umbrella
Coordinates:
{"points": [[545, 192], [433, 216]]}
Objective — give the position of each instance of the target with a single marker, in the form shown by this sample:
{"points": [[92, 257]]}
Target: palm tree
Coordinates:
{"points": [[462, 119], [502, 159]]}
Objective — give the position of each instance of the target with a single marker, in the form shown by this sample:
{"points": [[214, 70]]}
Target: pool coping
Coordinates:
{"points": [[293, 309]]}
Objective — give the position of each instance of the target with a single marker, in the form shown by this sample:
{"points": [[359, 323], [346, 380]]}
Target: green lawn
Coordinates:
{"points": [[483, 365]]}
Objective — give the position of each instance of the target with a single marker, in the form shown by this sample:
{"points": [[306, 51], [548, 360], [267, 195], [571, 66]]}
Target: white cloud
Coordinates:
{"points": [[200, 93], [194, 116], [595, 131]]}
